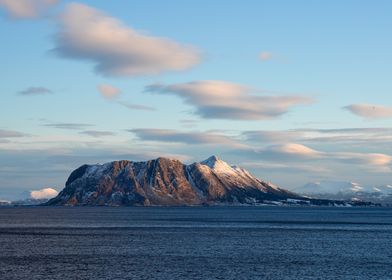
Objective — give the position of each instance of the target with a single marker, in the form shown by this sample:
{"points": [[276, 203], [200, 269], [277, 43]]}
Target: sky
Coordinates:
{"points": [[294, 91]]}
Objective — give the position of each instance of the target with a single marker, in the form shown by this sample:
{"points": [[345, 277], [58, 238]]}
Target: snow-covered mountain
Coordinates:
{"points": [[347, 191], [33, 197], [164, 181]]}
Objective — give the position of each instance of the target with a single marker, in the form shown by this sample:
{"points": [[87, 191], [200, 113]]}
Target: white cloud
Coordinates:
{"points": [[117, 50], [225, 100], [265, 55], [45, 193], [296, 149], [108, 91], [26, 9], [290, 151], [370, 111]]}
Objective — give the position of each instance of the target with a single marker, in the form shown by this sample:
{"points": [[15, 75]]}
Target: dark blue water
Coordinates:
{"points": [[196, 243]]}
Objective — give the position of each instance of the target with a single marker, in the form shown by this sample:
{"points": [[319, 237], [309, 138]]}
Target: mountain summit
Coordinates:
{"points": [[164, 181]]}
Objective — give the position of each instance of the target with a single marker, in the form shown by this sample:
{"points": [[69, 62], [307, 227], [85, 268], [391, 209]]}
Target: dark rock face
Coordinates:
{"points": [[169, 182]]}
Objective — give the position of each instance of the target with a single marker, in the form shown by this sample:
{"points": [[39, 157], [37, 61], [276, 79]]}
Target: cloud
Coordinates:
{"points": [[192, 138], [11, 134], [370, 111], [265, 55], [301, 153], [189, 123], [111, 93], [108, 91], [225, 100], [45, 193], [97, 133], [375, 159], [133, 106], [35, 91], [314, 135], [286, 168], [291, 151], [71, 126], [115, 49], [26, 9], [273, 136]]}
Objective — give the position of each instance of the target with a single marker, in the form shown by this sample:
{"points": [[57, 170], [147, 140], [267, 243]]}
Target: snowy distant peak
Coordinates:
{"points": [[331, 187], [347, 190]]}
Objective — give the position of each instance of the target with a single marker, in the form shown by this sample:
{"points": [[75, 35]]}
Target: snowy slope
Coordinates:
{"points": [[346, 190]]}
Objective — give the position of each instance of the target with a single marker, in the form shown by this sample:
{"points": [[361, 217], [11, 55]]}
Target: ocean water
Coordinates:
{"points": [[195, 243]]}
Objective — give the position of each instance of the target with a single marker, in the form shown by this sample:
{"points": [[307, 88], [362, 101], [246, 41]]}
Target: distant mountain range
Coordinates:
{"points": [[347, 191], [169, 182], [34, 197]]}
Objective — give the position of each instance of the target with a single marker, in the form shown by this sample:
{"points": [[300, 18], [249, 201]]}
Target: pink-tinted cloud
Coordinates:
{"points": [[26, 9], [116, 49], [370, 111], [225, 100]]}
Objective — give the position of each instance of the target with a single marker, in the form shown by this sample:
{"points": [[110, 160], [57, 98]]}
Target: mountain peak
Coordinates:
{"points": [[211, 161], [218, 165]]}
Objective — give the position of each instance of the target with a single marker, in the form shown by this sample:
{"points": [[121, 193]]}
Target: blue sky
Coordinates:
{"points": [[295, 91]]}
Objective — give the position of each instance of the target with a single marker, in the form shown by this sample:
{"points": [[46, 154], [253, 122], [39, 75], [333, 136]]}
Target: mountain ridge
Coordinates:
{"points": [[347, 190], [169, 182]]}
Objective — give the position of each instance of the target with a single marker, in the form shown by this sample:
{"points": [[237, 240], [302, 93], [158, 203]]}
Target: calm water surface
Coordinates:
{"points": [[195, 243]]}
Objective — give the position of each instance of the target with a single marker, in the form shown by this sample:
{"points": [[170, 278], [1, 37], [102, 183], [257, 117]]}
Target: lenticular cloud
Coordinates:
{"points": [[115, 49]]}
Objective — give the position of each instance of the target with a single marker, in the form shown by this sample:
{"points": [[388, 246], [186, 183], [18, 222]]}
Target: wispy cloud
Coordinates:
{"points": [[270, 136], [35, 91], [71, 126], [97, 133], [108, 91], [265, 55], [286, 168], [349, 135], [225, 100], [375, 159], [26, 9], [370, 111], [189, 123], [133, 106], [11, 133], [117, 50], [295, 152], [192, 138], [112, 93]]}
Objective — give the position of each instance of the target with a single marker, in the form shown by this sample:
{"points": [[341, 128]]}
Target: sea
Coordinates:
{"points": [[195, 243]]}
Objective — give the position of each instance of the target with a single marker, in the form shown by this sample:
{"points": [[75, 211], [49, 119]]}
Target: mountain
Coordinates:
{"points": [[32, 197], [347, 191], [4, 202], [167, 182]]}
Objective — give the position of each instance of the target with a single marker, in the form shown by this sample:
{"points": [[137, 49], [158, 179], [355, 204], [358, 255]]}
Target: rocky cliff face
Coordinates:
{"points": [[166, 181]]}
